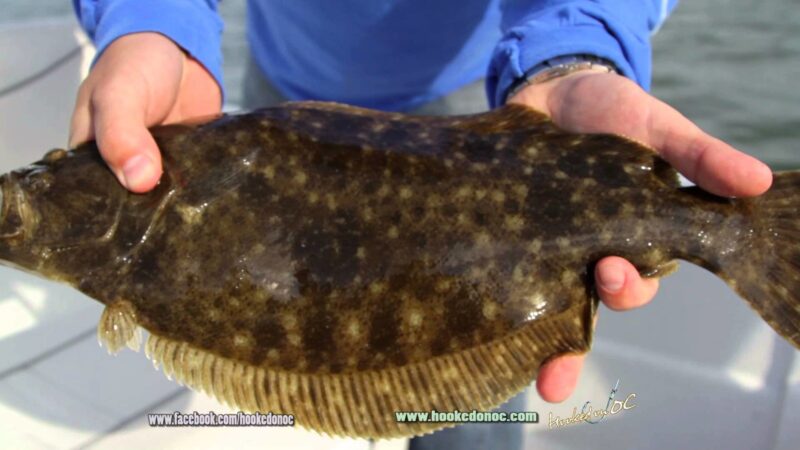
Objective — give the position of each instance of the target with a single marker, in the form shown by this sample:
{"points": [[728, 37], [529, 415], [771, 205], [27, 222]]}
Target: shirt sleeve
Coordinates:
{"points": [[194, 25], [533, 32]]}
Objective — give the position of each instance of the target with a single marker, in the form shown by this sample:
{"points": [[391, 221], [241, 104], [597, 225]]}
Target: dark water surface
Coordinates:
{"points": [[733, 66]]}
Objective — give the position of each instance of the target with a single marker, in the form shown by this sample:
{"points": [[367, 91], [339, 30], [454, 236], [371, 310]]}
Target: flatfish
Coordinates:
{"points": [[342, 264]]}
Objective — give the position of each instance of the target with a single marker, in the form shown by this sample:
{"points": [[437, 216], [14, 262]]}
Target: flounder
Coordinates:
{"points": [[341, 264]]}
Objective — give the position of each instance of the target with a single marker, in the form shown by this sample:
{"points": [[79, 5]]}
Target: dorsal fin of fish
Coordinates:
{"points": [[363, 403], [510, 118]]}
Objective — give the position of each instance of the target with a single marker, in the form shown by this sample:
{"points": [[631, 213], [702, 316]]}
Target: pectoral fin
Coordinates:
{"points": [[118, 327]]}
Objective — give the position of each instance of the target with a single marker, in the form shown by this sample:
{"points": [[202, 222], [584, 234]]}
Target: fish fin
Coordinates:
{"points": [[320, 105], [769, 277], [661, 270], [118, 328], [174, 129], [363, 403], [665, 172], [510, 117]]}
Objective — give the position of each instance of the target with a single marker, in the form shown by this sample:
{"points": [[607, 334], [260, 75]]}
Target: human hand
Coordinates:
{"points": [[140, 80], [595, 102]]}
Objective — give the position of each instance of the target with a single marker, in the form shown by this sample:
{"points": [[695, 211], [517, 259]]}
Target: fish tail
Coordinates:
{"points": [[767, 273]]}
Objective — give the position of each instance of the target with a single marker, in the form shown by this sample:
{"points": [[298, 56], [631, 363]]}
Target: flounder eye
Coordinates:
{"points": [[54, 155]]}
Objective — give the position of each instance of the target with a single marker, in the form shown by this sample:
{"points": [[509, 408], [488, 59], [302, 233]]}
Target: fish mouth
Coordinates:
{"points": [[10, 220]]}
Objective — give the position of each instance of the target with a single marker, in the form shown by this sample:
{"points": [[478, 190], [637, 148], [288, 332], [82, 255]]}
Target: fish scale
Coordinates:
{"points": [[341, 264]]}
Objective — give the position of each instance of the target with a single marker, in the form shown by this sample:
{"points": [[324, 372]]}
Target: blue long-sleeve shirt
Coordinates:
{"points": [[395, 54]]}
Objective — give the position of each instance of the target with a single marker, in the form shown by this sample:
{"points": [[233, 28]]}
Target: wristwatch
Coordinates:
{"points": [[558, 67]]}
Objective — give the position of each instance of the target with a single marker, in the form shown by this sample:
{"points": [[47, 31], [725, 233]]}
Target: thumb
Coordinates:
{"points": [[124, 141]]}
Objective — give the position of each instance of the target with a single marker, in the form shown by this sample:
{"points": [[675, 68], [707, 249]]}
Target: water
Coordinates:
{"points": [[732, 66]]}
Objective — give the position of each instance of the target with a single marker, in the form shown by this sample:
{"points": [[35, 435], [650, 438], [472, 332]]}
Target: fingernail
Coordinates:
{"points": [[611, 280], [137, 170]]}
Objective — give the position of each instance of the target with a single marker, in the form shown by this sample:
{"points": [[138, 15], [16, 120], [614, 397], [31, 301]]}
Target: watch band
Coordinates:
{"points": [[559, 67]]}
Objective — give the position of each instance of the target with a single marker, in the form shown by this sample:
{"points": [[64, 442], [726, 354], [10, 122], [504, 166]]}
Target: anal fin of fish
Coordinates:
{"points": [[363, 403]]}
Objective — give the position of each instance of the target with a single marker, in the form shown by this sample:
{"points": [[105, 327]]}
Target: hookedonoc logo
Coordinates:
{"points": [[590, 414]]}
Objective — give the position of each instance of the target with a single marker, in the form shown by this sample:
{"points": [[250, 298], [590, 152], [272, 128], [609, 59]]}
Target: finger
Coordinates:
{"points": [[707, 161], [80, 129], [558, 377], [124, 141], [206, 95], [620, 286]]}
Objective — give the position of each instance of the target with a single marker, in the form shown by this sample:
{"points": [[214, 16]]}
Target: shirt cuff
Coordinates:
{"points": [[194, 26], [562, 31]]}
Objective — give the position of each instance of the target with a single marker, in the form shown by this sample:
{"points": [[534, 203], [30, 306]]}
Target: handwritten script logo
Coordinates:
{"points": [[594, 416]]}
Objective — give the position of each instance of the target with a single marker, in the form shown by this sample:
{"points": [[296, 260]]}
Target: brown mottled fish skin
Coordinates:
{"points": [[340, 263]]}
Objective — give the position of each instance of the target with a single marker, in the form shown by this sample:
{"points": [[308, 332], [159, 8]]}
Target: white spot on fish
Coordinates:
{"points": [[514, 222], [330, 201], [482, 239], [300, 178], [489, 310], [534, 246], [405, 192], [289, 321], [384, 190], [463, 191], [415, 317], [354, 328], [240, 340], [377, 288]]}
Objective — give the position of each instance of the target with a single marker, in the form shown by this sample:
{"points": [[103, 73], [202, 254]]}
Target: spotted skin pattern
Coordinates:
{"points": [[317, 238]]}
